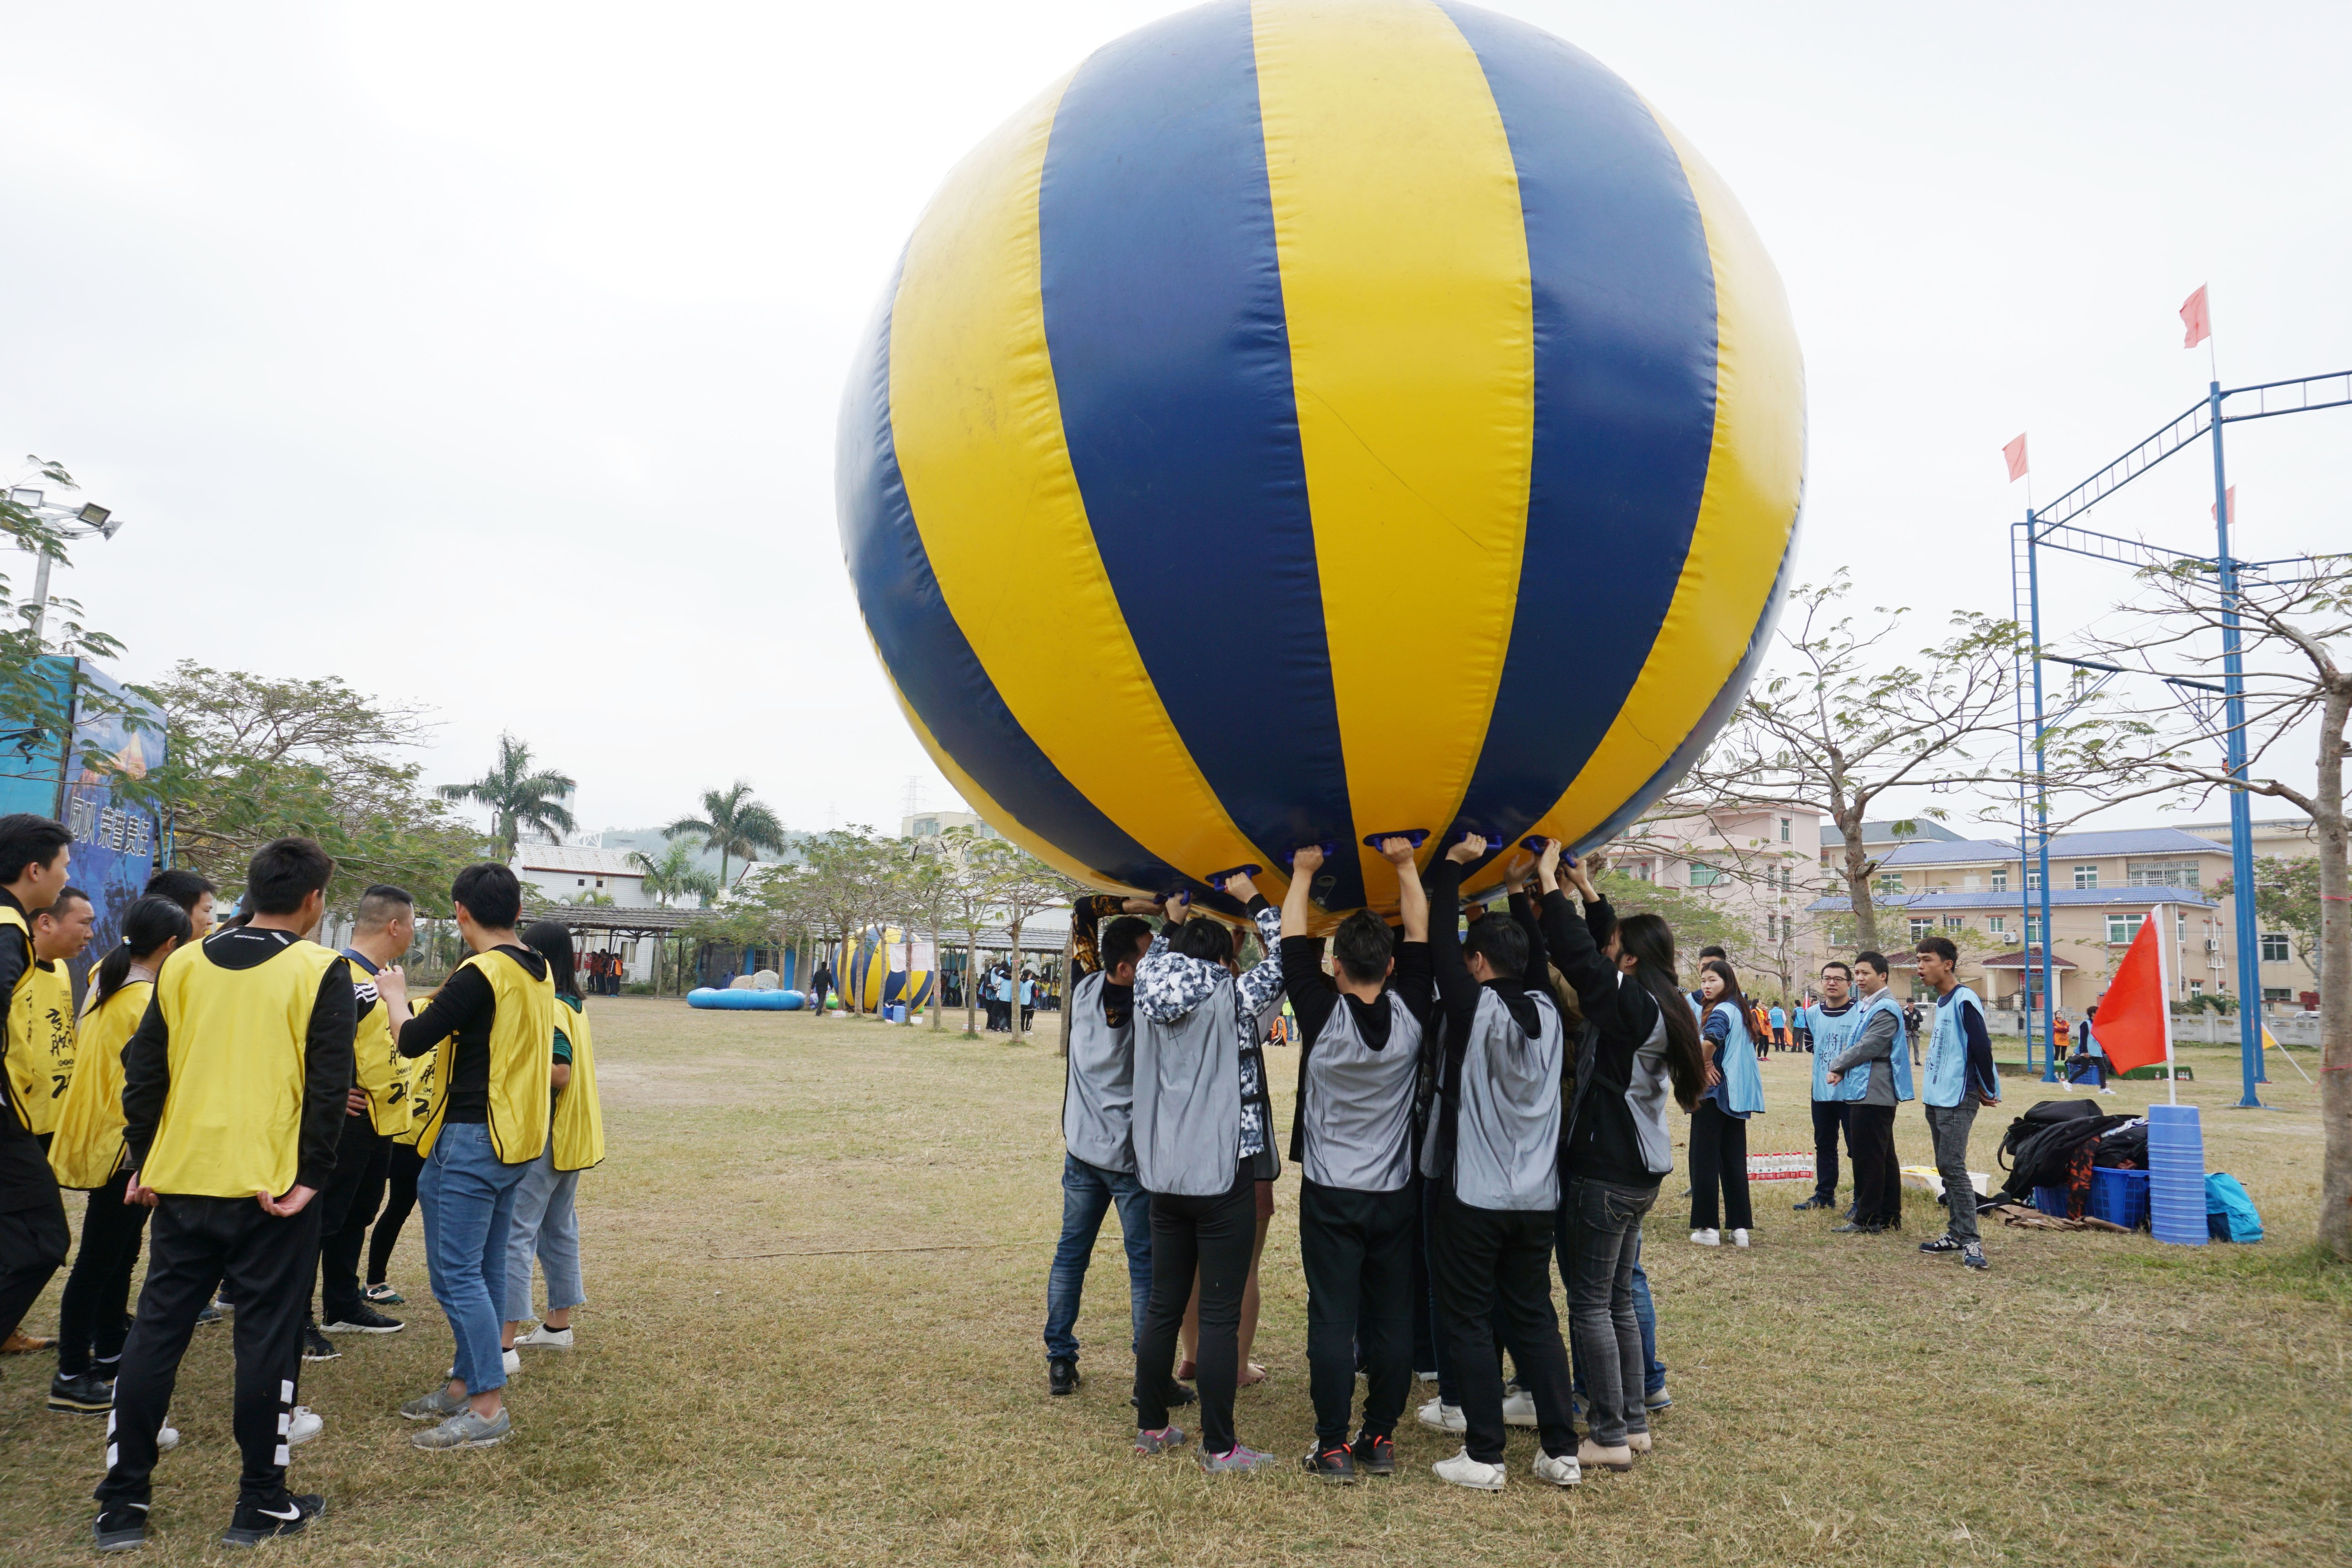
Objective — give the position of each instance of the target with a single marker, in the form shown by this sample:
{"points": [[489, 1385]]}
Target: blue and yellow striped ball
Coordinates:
{"points": [[1308, 420]]}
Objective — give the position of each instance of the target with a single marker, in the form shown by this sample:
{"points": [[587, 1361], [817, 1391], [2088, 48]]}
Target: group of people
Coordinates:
{"points": [[244, 1099], [1471, 1107], [601, 973], [1001, 990]]}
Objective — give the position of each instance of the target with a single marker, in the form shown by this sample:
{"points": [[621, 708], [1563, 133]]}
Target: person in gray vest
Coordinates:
{"points": [[1872, 1070], [1492, 1158], [1198, 1132], [1830, 1023], [1360, 1031], [1098, 1162]]}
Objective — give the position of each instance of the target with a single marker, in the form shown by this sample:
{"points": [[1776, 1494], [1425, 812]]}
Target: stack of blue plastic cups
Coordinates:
{"points": [[2175, 1170]]}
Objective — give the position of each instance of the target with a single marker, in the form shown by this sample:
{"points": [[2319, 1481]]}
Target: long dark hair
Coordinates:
{"points": [[151, 922], [1731, 991], [552, 939], [1646, 937]]}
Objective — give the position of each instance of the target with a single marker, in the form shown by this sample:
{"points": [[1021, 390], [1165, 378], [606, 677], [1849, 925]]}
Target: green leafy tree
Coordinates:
{"points": [[734, 825], [1016, 884], [673, 875], [40, 683], [518, 796], [2286, 897], [842, 888]]}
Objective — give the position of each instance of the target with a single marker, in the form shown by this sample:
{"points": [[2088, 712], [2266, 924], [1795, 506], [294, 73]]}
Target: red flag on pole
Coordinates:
{"points": [[2196, 318], [2134, 1021], [2015, 453], [2232, 494]]}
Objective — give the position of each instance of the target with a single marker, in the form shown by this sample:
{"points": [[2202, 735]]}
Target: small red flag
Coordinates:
{"points": [[2196, 318], [2015, 453], [2231, 493], [2131, 1021]]}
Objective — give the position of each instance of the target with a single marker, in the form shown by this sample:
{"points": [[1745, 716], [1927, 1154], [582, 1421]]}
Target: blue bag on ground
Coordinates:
{"points": [[2230, 1213]]}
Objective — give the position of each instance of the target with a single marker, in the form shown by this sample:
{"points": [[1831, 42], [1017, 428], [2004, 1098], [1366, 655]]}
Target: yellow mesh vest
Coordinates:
{"points": [[418, 1077], [232, 1124], [522, 1046], [378, 1067], [579, 1118], [40, 1039], [88, 1147]]}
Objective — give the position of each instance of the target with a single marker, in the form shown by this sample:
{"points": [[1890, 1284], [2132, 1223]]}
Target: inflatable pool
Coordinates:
{"points": [[746, 1001]]}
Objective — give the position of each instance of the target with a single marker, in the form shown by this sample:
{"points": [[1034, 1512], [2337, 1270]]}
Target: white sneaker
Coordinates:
{"points": [[1709, 1238], [546, 1338], [304, 1425], [512, 1361], [1519, 1409], [1443, 1416], [1739, 1238], [167, 1436], [1464, 1471], [2107, 1091], [1563, 1471]]}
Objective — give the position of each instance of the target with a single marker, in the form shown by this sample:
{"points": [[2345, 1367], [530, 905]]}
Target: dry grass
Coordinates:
{"points": [[2093, 1400]]}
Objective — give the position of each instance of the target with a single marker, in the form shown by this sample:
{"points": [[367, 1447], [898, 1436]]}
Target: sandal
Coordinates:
{"points": [[1187, 1373], [1251, 1373]]}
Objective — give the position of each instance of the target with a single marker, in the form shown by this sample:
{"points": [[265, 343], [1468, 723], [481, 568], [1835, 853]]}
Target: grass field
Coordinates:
{"points": [[761, 1379]]}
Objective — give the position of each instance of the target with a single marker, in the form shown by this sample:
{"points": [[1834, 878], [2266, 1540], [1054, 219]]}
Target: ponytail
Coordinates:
{"points": [[153, 923]]}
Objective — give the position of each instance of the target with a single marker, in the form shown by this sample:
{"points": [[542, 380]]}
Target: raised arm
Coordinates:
{"points": [[1457, 993], [1412, 898]]}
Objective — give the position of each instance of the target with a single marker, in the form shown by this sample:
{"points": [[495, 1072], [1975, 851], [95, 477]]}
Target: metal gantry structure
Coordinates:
{"points": [[2053, 527]]}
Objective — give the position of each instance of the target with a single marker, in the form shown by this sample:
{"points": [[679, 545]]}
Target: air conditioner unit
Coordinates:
{"points": [[2213, 945]]}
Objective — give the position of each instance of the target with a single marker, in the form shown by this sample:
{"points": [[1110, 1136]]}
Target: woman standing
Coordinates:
{"points": [[1718, 1131], [545, 1220]]}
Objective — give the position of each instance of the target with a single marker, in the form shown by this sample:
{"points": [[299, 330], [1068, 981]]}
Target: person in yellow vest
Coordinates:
{"points": [[86, 1153], [545, 1221], [34, 853], [233, 1087], [42, 1073], [382, 927], [491, 1030]]}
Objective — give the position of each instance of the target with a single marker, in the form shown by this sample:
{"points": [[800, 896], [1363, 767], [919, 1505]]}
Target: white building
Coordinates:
{"points": [[932, 824], [572, 873]]}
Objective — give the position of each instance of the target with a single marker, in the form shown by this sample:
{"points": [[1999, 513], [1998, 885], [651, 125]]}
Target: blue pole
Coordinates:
{"points": [[2042, 815], [2242, 815]]}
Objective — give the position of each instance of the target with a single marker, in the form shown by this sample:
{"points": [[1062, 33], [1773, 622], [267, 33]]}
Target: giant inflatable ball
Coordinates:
{"points": [[1305, 421]]}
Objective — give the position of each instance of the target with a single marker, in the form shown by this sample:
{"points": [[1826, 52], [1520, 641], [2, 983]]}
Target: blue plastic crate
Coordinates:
{"points": [[2050, 1200], [2119, 1197]]}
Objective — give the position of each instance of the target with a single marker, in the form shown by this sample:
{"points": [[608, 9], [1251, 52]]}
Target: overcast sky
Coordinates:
{"points": [[487, 355]]}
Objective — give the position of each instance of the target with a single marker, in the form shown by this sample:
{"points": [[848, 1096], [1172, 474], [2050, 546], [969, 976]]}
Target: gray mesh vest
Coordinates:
{"points": [[1506, 1131], [1188, 1098], [1099, 1096], [1357, 1111]]}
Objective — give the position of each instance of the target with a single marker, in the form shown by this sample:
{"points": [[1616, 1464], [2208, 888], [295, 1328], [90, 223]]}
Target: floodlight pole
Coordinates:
{"points": [[2242, 817], [2042, 837]]}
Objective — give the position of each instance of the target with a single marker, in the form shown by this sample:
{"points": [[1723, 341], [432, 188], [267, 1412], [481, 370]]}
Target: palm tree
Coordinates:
{"points": [[674, 875], [733, 824], [517, 797]]}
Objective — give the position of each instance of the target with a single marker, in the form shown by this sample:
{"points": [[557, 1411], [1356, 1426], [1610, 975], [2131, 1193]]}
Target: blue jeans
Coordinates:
{"points": [[1654, 1371], [1087, 1192], [467, 1198], [545, 1221]]}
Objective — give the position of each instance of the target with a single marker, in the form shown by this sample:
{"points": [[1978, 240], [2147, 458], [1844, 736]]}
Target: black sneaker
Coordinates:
{"points": [[1336, 1465], [1858, 1227], [1814, 1202], [1941, 1243], [82, 1393], [211, 1314], [1062, 1375], [1972, 1256], [365, 1319], [252, 1523], [1375, 1455], [317, 1346], [1177, 1396], [120, 1528]]}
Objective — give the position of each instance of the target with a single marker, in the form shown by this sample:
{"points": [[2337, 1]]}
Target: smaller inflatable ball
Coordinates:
{"points": [[1306, 421]]}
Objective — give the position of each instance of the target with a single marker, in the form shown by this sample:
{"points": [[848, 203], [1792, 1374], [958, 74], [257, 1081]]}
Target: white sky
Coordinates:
{"points": [[487, 355]]}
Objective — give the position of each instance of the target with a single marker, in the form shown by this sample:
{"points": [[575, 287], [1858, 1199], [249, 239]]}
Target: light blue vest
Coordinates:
{"points": [[1948, 1050], [1899, 1058], [1833, 1033], [1743, 1083]]}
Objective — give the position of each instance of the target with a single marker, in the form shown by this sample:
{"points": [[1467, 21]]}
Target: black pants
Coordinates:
{"points": [[98, 1292], [400, 1183], [362, 1156], [1718, 1157], [1486, 1262], [1356, 1249], [267, 1261], [33, 1243], [1211, 1237], [1829, 1120], [1877, 1178]]}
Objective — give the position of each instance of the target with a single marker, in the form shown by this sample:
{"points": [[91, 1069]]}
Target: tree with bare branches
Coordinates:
{"points": [[1837, 723], [2296, 626]]}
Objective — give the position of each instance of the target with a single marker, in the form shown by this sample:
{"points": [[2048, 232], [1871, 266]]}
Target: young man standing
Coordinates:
{"points": [[233, 1095], [386, 925], [191, 891], [1360, 1031], [1829, 1026], [42, 1010], [34, 853], [1098, 1135], [1872, 1071], [492, 1028], [1960, 1077], [1492, 1155]]}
